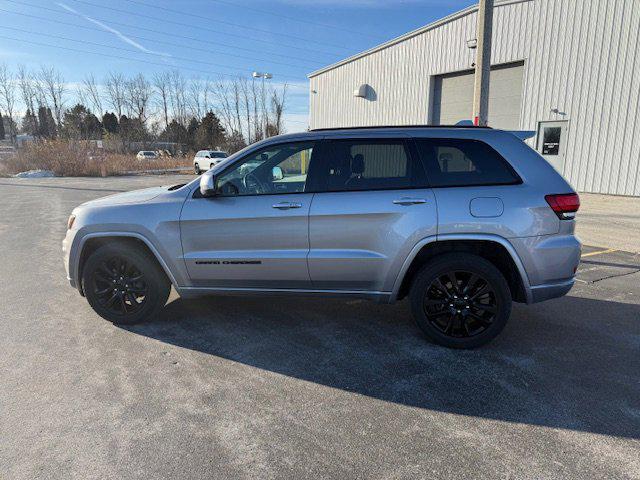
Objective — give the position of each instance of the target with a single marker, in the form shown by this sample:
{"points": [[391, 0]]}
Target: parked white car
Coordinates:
{"points": [[206, 159], [146, 155]]}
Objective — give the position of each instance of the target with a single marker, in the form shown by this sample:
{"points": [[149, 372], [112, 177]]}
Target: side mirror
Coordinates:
{"points": [[208, 184], [276, 173], [207, 156]]}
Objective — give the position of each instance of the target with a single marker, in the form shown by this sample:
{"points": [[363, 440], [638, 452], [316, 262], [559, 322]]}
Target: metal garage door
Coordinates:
{"points": [[453, 96]]}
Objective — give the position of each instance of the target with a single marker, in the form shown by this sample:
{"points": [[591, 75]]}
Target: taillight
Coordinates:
{"points": [[564, 204]]}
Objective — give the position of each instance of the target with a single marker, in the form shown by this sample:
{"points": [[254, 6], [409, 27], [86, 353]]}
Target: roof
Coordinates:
{"points": [[438, 23]]}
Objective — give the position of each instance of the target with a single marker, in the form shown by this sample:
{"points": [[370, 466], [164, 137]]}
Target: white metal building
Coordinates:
{"points": [[568, 69]]}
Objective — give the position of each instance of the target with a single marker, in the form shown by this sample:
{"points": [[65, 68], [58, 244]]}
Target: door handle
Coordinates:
{"points": [[409, 201], [286, 205]]}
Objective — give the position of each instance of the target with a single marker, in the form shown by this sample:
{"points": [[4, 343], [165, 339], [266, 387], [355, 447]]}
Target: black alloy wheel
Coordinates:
{"points": [[460, 304], [119, 286], [460, 300], [124, 283]]}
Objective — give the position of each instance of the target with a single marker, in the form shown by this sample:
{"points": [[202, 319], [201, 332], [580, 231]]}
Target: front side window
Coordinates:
{"points": [[362, 164], [272, 170], [463, 162]]}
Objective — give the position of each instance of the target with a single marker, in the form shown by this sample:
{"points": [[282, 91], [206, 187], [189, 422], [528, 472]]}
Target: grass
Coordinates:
{"points": [[77, 159]]}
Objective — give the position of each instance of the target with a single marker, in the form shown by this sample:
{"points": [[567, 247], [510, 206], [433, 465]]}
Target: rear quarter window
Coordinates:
{"points": [[464, 162]]}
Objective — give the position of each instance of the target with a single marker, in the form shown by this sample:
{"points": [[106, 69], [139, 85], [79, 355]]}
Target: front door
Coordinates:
{"points": [[254, 233], [372, 207], [552, 140]]}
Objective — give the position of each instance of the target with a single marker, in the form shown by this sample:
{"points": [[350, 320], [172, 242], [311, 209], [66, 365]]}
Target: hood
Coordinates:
{"points": [[135, 196]]}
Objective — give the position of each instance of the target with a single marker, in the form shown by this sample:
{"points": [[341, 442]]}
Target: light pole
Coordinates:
{"points": [[264, 76]]}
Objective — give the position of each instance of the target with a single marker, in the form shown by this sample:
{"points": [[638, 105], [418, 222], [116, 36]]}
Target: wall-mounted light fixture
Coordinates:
{"points": [[361, 91], [472, 43]]}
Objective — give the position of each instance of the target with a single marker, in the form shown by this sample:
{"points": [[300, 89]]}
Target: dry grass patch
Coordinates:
{"points": [[78, 159]]}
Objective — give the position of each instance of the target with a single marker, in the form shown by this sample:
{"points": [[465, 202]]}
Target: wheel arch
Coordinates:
{"points": [[92, 241], [496, 249]]}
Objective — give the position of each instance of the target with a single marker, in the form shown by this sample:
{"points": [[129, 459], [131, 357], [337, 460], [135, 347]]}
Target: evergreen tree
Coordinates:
{"points": [[46, 123], [110, 122], [80, 123], [210, 133], [29, 123], [175, 132], [192, 130]]}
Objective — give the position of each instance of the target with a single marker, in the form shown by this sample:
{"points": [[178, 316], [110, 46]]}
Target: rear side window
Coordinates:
{"points": [[464, 162], [365, 164]]}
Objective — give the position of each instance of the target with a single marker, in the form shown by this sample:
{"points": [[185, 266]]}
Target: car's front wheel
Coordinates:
{"points": [[196, 168], [460, 300], [124, 284]]}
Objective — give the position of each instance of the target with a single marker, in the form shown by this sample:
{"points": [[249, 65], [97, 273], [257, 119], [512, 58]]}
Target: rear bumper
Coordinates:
{"points": [[547, 291]]}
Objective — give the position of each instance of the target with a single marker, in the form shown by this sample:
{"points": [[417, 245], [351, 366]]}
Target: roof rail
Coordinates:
{"points": [[394, 126]]}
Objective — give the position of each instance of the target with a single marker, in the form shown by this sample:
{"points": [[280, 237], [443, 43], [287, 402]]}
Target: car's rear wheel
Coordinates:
{"points": [[124, 284], [460, 300], [196, 168]]}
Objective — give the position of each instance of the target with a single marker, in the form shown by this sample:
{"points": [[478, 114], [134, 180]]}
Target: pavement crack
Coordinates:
{"points": [[614, 276]]}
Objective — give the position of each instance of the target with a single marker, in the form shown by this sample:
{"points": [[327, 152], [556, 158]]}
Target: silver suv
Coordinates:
{"points": [[463, 221]]}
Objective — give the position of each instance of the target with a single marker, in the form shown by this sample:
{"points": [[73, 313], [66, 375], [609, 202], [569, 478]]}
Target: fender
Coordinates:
{"points": [[147, 242], [464, 236]]}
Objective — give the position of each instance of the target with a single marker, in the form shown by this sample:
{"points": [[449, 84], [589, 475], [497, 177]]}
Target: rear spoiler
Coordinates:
{"points": [[522, 134]]}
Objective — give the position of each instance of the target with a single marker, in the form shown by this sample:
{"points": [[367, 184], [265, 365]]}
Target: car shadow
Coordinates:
{"points": [[571, 363]]}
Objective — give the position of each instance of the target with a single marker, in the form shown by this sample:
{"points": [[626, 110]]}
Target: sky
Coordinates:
{"points": [[206, 38]]}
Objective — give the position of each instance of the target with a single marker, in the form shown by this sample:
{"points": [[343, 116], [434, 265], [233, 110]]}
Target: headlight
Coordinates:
{"points": [[72, 218]]}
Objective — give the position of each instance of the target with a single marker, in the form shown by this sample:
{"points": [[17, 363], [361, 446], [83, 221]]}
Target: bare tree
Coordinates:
{"points": [[178, 97], [244, 89], [162, 84], [8, 98], [195, 97], [91, 93], [206, 95], [138, 95], [26, 83], [225, 109], [55, 88], [237, 102], [278, 102], [115, 87]]}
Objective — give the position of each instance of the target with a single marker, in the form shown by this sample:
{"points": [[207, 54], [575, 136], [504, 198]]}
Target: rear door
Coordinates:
{"points": [[372, 206], [255, 232]]}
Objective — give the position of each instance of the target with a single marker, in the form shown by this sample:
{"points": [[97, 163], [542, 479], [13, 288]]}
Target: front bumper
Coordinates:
{"points": [[67, 243]]}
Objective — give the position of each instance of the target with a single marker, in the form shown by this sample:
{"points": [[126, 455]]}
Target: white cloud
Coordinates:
{"points": [[117, 33]]}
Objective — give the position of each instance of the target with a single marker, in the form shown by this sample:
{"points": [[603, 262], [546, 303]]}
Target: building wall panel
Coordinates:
{"points": [[581, 65]]}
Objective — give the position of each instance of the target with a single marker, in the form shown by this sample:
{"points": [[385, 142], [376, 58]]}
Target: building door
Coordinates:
{"points": [[453, 96], [552, 139]]}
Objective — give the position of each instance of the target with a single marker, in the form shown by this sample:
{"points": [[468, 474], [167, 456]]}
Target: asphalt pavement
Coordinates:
{"points": [[298, 387]]}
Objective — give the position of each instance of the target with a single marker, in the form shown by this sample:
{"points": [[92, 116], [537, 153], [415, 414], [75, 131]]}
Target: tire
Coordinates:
{"points": [[196, 168], [116, 268], [468, 314]]}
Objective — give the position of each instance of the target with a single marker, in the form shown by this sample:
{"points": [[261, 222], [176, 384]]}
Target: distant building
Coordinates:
{"points": [[567, 69]]}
